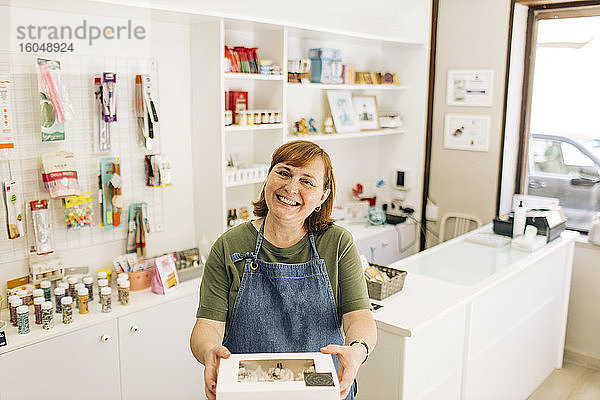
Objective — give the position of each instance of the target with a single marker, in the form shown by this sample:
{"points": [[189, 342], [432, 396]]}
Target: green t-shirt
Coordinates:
{"points": [[222, 277]]}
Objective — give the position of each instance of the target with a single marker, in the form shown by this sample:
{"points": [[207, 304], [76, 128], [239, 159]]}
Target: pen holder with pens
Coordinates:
{"points": [[381, 290]]}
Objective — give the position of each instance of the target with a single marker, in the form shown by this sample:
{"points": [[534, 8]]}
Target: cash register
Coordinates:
{"points": [[549, 223]]}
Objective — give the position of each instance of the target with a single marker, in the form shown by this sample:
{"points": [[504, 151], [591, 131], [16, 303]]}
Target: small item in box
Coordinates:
{"points": [[19, 286], [390, 120], [46, 269], [292, 376], [391, 281]]}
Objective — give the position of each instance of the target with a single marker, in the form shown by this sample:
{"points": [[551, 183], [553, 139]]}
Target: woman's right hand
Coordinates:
{"points": [[212, 359]]}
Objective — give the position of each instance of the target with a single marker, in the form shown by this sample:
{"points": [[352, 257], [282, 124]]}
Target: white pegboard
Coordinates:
{"points": [[22, 163]]}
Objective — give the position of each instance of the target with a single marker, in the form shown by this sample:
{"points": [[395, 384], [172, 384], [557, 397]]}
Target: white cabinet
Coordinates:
{"points": [[138, 351], [156, 361], [80, 365], [496, 339]]}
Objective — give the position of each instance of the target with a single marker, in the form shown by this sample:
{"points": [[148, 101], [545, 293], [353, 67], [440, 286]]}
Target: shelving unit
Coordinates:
{"points": [[255, 77], [343, 136], [237, 128], [332, 86], [380, 151]]}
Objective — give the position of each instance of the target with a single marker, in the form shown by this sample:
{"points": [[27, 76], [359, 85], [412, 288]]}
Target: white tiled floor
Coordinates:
{"points": [[572, 382]]}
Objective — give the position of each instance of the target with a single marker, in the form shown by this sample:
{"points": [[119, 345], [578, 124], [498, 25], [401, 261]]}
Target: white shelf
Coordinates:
{"points": [[255, 77], [351, 135], [237, 128], [345, 86], [246, 182]]}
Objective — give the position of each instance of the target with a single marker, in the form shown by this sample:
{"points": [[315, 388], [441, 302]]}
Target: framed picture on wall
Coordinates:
{"points": [[366, 110], [472, 88], [467, 132], [342, 111]]}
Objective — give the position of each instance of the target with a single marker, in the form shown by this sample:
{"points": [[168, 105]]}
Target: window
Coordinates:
{"points": [[562, 124]]}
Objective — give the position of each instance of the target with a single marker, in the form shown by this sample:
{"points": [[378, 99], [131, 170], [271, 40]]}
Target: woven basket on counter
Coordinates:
{"points": [[380, 291]]}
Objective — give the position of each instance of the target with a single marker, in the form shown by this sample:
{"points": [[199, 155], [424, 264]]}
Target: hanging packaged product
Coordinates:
{"points": [[110, 186], [41, 226], [138, 227], [78, 211], [7, 139], [55, 107], [59, 174], [158, 171], [146, 111], [14, 210], [102, 140]]}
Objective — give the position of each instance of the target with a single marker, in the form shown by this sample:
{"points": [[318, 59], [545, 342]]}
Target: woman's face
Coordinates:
{"points": [[293, 193]]}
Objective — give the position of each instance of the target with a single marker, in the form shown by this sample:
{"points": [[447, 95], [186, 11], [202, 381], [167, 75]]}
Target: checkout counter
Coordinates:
{"points": [[472, 322]]}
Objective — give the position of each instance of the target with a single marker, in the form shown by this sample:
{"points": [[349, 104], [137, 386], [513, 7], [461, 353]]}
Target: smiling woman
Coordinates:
{"points": [[287, 281], [310, 165]]}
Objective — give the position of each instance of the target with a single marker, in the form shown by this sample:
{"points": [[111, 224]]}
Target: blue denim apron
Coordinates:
{"points": [[283, 308]]}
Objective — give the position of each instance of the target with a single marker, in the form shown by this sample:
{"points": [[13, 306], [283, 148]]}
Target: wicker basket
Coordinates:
{"points": [[380, 291]]}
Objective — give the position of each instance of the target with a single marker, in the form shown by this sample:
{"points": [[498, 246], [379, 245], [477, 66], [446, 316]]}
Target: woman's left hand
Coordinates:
{"points": [[350, 357]]}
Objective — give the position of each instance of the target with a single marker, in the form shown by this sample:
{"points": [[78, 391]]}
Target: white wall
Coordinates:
{"points": [[390, 18], [583, 324], [472, 34], [170, 47]]}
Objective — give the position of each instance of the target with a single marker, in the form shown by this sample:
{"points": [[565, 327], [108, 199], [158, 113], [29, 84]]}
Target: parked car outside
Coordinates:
{"points": [[565, 169]]}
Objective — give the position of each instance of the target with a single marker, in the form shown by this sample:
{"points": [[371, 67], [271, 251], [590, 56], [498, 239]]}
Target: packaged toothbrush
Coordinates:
{"points": [[55, 107], [14, 210], [41, 226]]}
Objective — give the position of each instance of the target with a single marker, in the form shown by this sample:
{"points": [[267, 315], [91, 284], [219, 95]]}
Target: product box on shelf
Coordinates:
{"points": [[270, 376], [236, 101], [326, 70]]}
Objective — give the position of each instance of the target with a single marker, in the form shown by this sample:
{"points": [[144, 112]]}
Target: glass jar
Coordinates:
{"points": [[72, 291], [59, 293], [67, 309], [102, 283], [105, 299], [14, 304], [47, 315], [82, 294], [22, 320], [37, 309], [45, 285], [89, 285], [124, 289]]}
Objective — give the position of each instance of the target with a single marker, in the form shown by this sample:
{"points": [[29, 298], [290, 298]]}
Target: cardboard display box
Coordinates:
{"points": [[275, 376]]}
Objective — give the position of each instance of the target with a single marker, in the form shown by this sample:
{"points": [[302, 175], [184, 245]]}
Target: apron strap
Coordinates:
{"points": [[235, 257], [311, 237]]}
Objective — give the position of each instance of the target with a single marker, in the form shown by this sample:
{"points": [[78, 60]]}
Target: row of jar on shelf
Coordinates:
{"points": [[256, 172], [252, 117]]}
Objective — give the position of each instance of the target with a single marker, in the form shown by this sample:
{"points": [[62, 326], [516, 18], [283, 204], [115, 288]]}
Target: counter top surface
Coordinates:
{"points": [[138, 301], [443, 277]]}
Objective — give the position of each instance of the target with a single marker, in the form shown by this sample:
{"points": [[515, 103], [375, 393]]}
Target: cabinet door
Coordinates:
{"points": [[156, 361], [79, 365]]}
